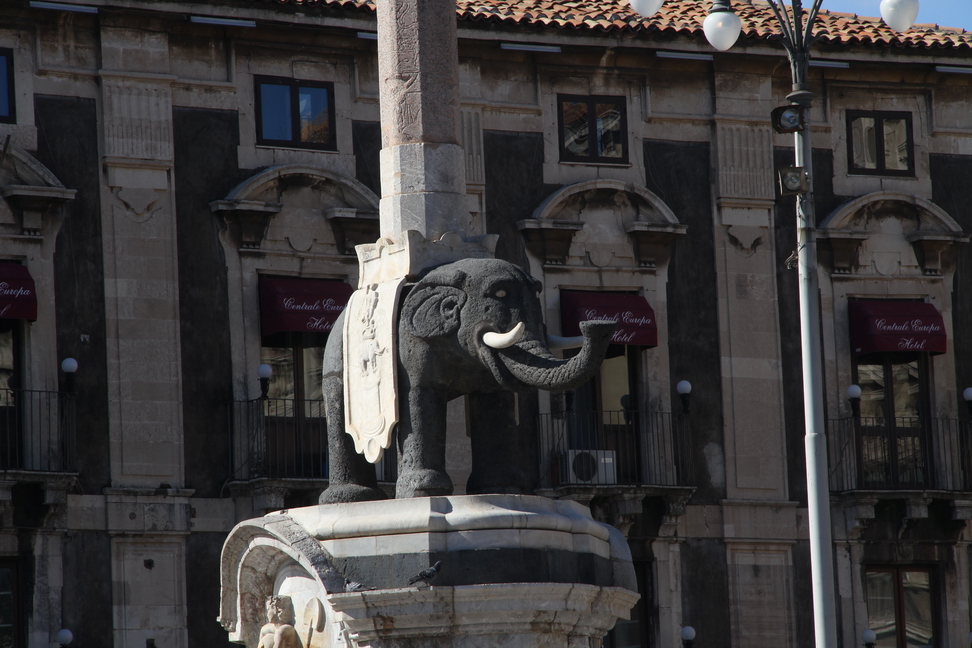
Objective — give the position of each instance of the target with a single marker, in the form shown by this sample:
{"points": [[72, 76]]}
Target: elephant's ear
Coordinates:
{"points": [[433, 310]]}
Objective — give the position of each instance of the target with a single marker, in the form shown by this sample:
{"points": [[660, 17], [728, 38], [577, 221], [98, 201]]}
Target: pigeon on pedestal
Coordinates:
{"points": [[427, 575]]}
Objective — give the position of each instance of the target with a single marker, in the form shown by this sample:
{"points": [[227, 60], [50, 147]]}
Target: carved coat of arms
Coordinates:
{"points": [[370, 387]]}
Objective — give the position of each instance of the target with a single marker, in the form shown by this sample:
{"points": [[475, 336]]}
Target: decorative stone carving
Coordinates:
{"points": [[408, 254], [930, 247], [858, 511], [279, 631], [916, 508], [251, 217], [352, 227], [549, 239], [470, 327], [843, 247], [138, 122], [311, 554], [35, 202], [888, 222], [370, 363], [653, 243], [962, 509], [745, 160]]}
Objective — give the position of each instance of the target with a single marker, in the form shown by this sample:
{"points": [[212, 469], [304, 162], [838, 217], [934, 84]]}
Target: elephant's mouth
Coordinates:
{"points": [[525, 363]]}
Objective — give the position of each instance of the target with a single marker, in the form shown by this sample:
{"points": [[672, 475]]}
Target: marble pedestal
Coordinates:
{"points": [[517, 571]]}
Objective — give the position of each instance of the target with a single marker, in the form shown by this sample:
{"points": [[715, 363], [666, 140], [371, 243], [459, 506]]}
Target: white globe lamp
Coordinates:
{"points": [[899, 15], [722, 29], [646, 8]]}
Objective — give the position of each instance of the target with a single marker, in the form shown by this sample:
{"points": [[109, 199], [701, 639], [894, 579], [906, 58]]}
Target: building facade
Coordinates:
{"points": [[183, 187]]}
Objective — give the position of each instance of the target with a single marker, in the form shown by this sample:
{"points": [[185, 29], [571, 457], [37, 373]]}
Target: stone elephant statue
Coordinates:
{"points": [[470, 327]]}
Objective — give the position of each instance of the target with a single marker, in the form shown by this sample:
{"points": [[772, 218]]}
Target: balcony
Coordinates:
{"points": [[901, 454], [284, 439], [37, 431], [613, 449], [279, 438]]}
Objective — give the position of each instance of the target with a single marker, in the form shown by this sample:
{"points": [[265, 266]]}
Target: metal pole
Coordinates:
{"points": [[818, 491]]}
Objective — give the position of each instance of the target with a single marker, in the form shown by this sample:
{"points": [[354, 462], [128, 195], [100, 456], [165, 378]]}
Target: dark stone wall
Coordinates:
{"points": [[205, 170], [86, 597], [679, 174], [367, 143], [202, 586], [67, 143], [514, 187], [788, 296], [705, 591], [950, 179], [802, 592]]}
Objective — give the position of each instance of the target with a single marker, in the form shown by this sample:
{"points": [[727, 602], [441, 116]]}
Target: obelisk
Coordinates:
{"points": [[423, 184]]}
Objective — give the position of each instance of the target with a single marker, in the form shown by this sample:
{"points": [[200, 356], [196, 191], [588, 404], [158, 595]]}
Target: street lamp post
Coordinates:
{"points": [[797, 37]]}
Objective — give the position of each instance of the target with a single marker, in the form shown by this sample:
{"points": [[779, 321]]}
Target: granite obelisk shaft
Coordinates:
{"points": [[422, 171]]}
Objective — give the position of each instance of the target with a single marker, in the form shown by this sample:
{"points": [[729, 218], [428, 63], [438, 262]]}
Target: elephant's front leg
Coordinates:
{"points": [[421, 445]]}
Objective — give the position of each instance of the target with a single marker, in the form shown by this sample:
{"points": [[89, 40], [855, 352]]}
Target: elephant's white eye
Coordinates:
{"points": [[501, 293]]}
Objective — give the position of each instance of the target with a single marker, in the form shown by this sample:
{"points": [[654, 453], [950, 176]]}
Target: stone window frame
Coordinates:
{"points": [[937, 607], [7, 55], [294, 85], [618, 100], [879, 117]]}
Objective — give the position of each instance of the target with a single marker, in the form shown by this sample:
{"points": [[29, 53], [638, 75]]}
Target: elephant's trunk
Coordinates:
{"points": [[533, 365]]}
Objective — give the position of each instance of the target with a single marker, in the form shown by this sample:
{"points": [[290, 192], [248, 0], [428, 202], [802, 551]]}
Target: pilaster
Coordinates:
{"points": [[748, 312], [141, 268]]}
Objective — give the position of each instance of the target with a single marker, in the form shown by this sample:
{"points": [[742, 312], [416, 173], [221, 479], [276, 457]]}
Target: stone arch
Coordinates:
{"points": [[357, 194], [555, 202], [892, 224], [28, 170], [616, 223], [850, 213], [255, 553], [348, 206]]}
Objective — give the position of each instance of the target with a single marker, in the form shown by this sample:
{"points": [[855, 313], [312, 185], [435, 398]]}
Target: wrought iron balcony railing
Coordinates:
{"points": [[606, 448], [279, 438], [904, 453], [284, 438], [37, 430]]}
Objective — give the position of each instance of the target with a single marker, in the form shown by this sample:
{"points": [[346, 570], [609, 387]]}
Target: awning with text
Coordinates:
{"points": [[635, 317]]}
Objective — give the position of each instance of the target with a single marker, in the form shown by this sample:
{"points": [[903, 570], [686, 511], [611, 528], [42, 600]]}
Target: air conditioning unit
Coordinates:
{"points": [[590, 467]]}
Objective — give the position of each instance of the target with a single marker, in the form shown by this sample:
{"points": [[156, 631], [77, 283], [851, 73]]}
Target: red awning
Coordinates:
{"points": [[895, 326], [290, 304], [635, 317], [18, 298]]}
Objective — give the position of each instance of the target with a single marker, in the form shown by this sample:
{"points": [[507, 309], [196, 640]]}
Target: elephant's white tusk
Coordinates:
{"points": [[555, 342], [503, 340]]}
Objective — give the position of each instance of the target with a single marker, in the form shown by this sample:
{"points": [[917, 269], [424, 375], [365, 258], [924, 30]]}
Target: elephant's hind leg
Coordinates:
{"points": [[351, 478]]}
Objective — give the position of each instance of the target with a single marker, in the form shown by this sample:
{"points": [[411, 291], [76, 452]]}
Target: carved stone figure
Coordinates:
{"points": [[279, 631], [469, 327]]}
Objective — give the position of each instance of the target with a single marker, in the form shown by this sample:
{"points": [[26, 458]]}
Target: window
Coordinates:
{"points": [[295, 113], [295, 424], [8, 112], [893, 426], [900, 607], [593, 129], [880, 143], [602, 416]]}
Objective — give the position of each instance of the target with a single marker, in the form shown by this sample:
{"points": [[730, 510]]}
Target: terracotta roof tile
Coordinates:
{"points": [[682, 16]]}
